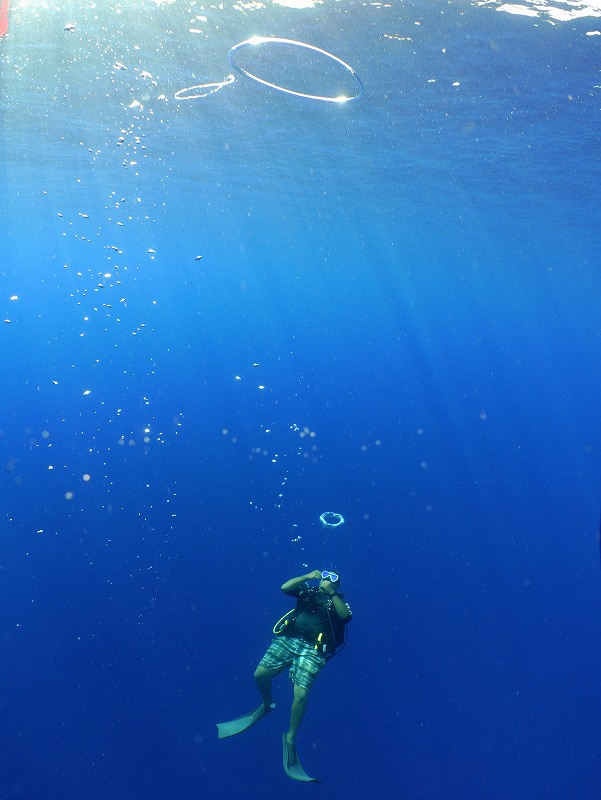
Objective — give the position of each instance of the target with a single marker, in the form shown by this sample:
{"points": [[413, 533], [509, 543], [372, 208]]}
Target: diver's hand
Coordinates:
{"points": [[314, 576]]}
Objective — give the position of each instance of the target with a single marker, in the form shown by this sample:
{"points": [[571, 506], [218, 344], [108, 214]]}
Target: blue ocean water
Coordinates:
{"points": [[225, 316]]}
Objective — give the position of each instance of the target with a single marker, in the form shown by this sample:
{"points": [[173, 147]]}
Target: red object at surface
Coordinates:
{"points": [[3, 17]]}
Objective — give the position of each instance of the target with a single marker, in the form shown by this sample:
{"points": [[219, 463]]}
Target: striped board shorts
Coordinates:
{"points": [[303, 659]]}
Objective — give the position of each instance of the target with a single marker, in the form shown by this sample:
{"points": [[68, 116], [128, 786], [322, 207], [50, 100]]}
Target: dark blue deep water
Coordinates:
{"points": [[395, 317]]}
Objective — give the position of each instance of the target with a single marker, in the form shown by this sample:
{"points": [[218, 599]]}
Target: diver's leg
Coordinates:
{"points": [[263, 679], [299, 706]]}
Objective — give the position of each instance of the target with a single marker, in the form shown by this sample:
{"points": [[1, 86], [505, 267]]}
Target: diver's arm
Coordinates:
{"points": [[293, 584], [339, 606]]}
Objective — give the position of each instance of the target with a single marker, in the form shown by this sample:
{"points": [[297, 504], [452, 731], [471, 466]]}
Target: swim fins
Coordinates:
{"points": [[292, 765], [241, 724]]}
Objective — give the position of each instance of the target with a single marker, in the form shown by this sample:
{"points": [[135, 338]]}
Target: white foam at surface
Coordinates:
{"points": [[558, 10]]}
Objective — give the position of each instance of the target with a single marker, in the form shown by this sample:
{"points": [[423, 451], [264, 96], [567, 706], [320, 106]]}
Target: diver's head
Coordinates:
{"points": [[329, 578]]}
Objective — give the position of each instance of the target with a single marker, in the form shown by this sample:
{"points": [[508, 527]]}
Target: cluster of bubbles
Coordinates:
{"points": [[307, 451]]}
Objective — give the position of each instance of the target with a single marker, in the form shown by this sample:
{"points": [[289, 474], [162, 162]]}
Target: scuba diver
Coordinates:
{"points": [[305, 639]]}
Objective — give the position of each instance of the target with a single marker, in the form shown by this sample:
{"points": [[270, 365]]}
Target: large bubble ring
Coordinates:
{"points": [[331, 519], [255, 41]]}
